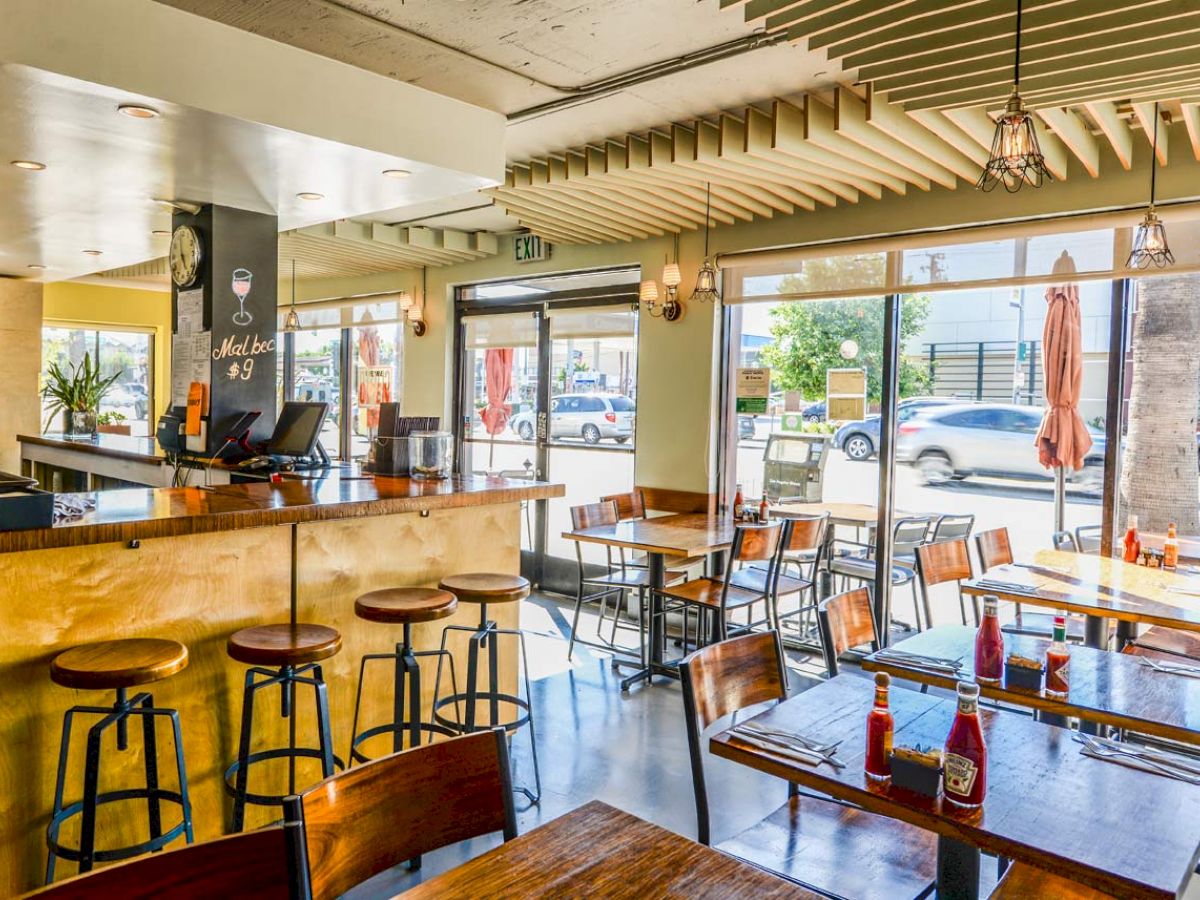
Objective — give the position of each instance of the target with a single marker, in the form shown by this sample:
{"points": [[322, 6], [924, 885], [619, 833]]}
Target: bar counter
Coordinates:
{"points": [[196, 564]]}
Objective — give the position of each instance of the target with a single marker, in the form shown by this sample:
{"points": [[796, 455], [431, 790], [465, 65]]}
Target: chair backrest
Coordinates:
{"points": [[993, 548], [754, 543], [910, 533], [256, 864], [1088, 538], [952, 527], [631, 505], [364, 820], [1065, 541], [946, 561], [671, 501], [846, 620], [807, 532], [593, 515], [721, 679]]}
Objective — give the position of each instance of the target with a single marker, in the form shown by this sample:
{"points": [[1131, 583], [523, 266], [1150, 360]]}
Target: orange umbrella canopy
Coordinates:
{"points": [[1063, 438]]}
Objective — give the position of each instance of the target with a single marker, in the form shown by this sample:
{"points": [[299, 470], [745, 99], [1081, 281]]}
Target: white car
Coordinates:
{"points": [[592, 417]]}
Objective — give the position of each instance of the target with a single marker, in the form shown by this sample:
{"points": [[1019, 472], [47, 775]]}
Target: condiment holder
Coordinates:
{"points": [[917, 770], [1024, 673]]}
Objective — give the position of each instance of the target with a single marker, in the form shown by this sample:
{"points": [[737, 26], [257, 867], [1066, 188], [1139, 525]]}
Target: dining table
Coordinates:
{"points": [[600, 851], [659, 537], [1100, 588], [1120, 690], [1129, 832]]}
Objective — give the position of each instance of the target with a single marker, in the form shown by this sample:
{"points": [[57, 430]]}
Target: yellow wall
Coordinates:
{"points": [[20, 362], [101, 306]]}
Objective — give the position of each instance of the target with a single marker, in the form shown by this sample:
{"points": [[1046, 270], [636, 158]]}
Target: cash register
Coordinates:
{"points": [[295, 443]]}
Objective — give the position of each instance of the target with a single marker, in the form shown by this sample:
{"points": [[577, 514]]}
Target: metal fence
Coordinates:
{"points": [[986, 370]]}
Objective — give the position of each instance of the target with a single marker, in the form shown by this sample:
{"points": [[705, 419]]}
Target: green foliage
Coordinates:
{"points": [[110, 418], [79, 391], [808, 334], [819, 427]]}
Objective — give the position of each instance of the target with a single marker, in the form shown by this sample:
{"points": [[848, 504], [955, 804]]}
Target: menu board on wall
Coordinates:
{"points": [[189, 363]]}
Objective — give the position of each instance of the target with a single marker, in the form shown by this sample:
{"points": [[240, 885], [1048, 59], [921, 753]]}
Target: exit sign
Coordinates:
{"points": [[530, 248]]}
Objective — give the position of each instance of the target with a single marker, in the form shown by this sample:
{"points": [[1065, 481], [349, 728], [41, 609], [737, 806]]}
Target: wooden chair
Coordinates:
{"points": [[801, 545], [809, 839], [994, 549], [665, 500], [632, 506], [846, 621], [618, 577], [256, 865], [940, 564], [368, 819], [859, 564], [1024, 882], [715, 598]]}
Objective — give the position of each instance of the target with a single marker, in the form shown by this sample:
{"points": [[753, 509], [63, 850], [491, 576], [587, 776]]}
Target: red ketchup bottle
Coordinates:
{"points": [[1133, 543], [879, 732], [965, 759], [1058, 660], [989, 643]]}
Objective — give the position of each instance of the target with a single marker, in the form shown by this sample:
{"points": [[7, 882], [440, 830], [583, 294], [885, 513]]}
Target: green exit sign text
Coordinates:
{"points": [[530, 248]]}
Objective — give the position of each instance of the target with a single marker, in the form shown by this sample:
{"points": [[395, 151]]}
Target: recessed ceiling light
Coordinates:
{"points": [[310, 195], [396, 173], [28, 164], [38, 266], [137, 111], [93, 252]]}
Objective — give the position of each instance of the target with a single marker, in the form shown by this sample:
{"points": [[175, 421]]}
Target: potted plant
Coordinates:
{"points": [[113, 423], [76, 393]]}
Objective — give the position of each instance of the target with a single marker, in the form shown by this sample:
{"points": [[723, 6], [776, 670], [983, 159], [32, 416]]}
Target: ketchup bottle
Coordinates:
{"points": [[737, 504], [880, 726], [1058, 659], [989, 643], [1133, 543], [965, 759]]}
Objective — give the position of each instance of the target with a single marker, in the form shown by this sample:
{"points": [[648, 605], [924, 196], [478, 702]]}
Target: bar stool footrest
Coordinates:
{"points": [[117, 853], [262, 756], [482, 698], [405, 728]]}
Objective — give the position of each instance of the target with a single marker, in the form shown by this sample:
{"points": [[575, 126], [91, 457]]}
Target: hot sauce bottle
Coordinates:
{"points": [[989, 643], [965, 761], [1133, 543], [1171, 548], [1058, 660], [879, 731]]}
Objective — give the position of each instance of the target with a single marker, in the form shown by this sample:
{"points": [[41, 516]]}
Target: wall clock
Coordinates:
{"points": [[186, 252]]}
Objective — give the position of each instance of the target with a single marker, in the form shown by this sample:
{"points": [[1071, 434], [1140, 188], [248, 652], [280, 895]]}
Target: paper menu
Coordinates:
{"points": [[191, 355], [189, 311]]}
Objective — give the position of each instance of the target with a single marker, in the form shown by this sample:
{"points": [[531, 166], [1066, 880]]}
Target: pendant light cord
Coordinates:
{"points": [[1017, 59], [707, 213], [1154, 156]]}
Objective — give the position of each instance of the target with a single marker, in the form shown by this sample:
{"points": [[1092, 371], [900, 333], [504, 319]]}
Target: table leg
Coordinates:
{"points": [[824, 577], [1095, 632], [656, 633], [1126, 632], [957, 870]]}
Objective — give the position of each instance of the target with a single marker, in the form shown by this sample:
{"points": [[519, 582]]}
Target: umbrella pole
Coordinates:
{"points": [[1060, 499]]}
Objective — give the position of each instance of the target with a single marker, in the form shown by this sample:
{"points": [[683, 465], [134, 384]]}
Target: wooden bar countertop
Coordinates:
{"points": [[141, 513]]}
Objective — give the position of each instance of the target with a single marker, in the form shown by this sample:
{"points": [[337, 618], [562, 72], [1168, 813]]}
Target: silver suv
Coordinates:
{"points": [[592, 417]]}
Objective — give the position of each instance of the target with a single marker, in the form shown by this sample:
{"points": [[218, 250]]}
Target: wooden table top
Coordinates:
{"points": [[1111, 688], [599, 851], [686, 534], [140, 513], [1122, 830], [858, 514], [1099, 586]]}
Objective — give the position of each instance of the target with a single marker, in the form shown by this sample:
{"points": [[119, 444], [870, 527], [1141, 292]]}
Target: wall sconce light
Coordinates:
{"points": [[415, 311], [670, 309]]}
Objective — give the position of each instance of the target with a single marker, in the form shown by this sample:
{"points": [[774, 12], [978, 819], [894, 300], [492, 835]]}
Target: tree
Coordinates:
{"points": [[1159, 480], [808, 334]]}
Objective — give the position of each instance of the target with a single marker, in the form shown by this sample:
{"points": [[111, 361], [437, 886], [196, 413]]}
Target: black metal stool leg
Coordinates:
{"points": [[150, 744], [91, 790], [64, 747], [398, 685], [414, 684], [243, 760], [184, 794], [325, 738], [537, 775]]}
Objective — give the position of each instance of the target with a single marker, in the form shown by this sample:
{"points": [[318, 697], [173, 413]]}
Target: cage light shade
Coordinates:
{"points": [[406, 300], [1150, 245], [706, 283], [292, 321], [648, 291], [671, 276], [1016, 157], [414, 314]]}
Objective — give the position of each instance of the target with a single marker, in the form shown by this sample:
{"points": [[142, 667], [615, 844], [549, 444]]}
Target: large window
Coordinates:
{"points": [[317, 378], [129, 404]]}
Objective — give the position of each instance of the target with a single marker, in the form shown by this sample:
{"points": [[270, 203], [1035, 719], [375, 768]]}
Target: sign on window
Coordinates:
{"points": [[753, 390]]}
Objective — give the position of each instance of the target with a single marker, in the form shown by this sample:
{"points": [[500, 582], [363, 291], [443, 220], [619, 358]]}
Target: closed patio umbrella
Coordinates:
{"points": [[1063, 438], [497, 367]]}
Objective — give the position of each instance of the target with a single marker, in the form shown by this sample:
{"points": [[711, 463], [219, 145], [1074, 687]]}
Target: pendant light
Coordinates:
{"points": [[1150, 239], [1016, 157], [706, 278], [291, 324]]}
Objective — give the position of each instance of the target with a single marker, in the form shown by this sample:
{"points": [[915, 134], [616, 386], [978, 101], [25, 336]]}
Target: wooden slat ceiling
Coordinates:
{"points": [[939, 54], [788, 157], [349, 249]]}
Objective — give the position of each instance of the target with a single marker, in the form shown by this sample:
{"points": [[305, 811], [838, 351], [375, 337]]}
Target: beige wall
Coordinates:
{"points": [[20, 362]]}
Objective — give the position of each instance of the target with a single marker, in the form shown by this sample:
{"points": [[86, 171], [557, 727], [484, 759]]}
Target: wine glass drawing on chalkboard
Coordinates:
{"points": [[241, 289]]}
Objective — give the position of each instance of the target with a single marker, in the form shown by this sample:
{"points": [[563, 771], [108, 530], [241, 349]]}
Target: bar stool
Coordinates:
{"points": [[482, 589], [293, 653], [406, 607], [117, 665]]}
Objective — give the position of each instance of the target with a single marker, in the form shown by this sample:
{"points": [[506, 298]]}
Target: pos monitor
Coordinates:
{"points": [[298, 429]]}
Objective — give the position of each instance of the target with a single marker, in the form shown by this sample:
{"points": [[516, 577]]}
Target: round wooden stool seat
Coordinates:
{"points": [[406, 605], [108, 665], [283, 645], [483, 587]]}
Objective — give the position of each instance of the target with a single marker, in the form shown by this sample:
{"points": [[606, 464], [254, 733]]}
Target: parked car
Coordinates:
{"points": [[592, 417], [745, 428], [859, 440], [993, 439], [814, 412]]}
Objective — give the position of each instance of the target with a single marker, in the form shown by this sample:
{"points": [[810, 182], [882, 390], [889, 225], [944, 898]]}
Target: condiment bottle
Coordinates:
{"points": [[1133, 544], [1171, 548], [737, 503], [989, 643], [1058, 660], [965, 759], [880, 726], [764, 507]]}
